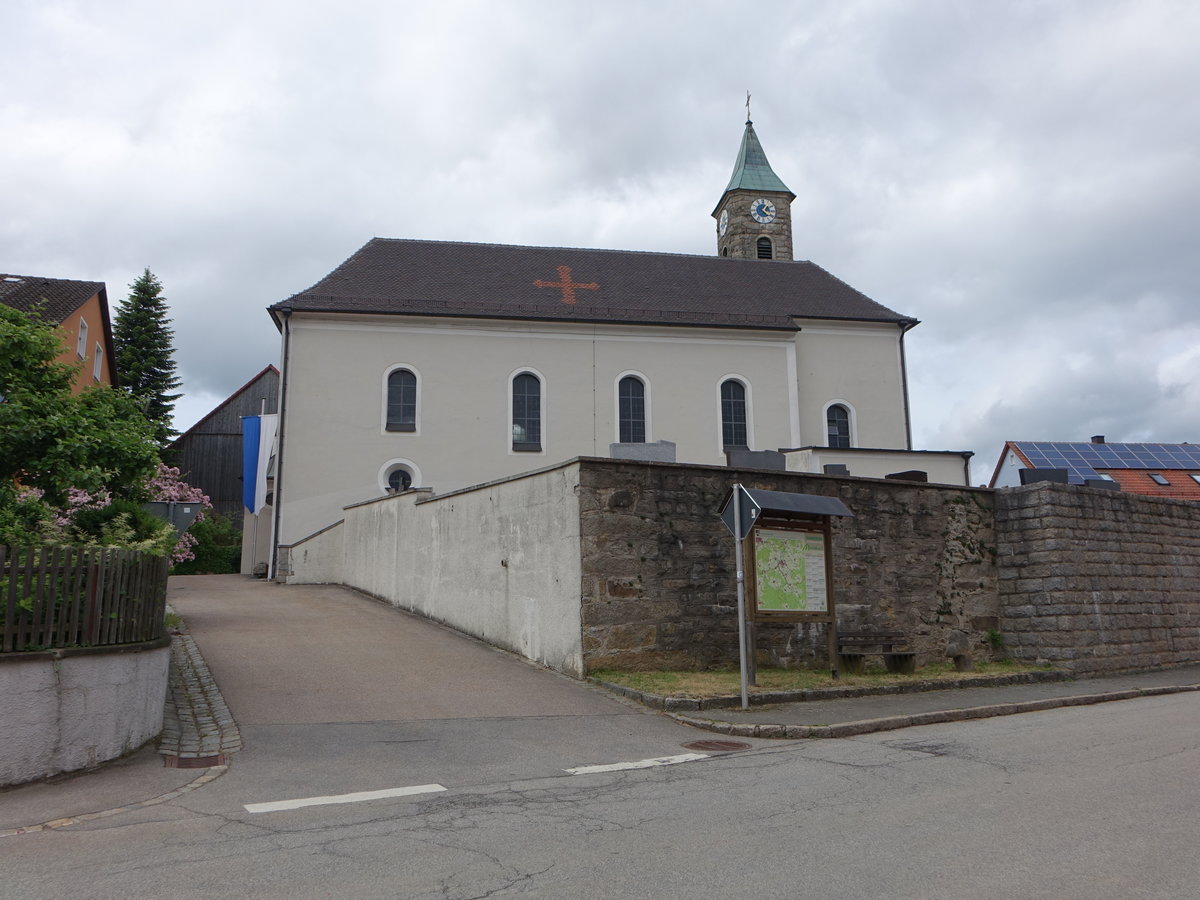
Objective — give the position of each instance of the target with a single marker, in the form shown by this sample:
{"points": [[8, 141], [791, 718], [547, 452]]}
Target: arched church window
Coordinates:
{"points": [[733, 414], [631, 410], [765, 250], [837, 420], [526, 413], [401, 400]]}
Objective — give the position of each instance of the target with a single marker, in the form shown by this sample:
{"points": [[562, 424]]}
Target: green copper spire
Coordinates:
{"points": [[752, 172]]}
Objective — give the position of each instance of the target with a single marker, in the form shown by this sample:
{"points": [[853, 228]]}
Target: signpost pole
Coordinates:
{"points": [[832, 602], [751, 663], [741, 589]]}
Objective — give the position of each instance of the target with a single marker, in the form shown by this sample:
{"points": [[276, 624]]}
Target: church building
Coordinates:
{"points": [[442, 365]]}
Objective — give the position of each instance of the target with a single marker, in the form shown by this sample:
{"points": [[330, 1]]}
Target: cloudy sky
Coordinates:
{"points": [[1024, 177]]}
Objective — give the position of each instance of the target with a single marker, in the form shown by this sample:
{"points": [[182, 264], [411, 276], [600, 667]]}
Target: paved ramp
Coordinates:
{"points": [[306, 654]]}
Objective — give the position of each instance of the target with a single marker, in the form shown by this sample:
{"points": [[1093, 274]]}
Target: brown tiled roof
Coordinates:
{"points": [[60, 296], [1180, 483], [443, 278]]}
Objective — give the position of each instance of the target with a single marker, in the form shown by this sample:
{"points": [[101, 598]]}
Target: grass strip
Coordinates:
{"points": [[724, 682]]}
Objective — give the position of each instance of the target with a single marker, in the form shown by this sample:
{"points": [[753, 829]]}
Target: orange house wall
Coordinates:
{"points": [[91, 313]]}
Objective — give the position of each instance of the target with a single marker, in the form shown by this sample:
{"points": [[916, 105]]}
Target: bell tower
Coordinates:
{"points": [[754, 216]]}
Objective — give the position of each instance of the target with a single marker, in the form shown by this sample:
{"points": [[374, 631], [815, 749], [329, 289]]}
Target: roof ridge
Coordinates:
{"points": [[670, 253]]}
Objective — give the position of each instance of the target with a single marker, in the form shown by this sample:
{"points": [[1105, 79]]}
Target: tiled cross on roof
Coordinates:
{"points": [[567, 285]]}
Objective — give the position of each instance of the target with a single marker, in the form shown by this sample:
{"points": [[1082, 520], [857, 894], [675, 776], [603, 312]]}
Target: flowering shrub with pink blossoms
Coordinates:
{"points": [[168, 485], [89, 518]]}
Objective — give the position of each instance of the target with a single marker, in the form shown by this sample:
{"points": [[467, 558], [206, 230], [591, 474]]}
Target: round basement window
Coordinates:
{"points": [[399, 479], [397, 475]]}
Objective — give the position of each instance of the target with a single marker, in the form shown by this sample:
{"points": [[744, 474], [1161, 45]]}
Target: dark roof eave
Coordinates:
{"points": [[903, 322], [288, 307], [966, 454]]}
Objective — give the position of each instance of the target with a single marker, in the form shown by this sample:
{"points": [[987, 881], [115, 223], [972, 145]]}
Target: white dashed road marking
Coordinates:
{"points": [[342, 798], [637, 764]]}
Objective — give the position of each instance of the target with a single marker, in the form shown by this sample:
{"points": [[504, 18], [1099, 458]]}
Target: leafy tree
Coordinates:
{"points": [[52, 440], [144, 344]]}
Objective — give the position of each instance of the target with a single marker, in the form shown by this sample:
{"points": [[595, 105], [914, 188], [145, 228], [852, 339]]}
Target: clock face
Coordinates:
{"points": [[723, 222], [763, 211]]}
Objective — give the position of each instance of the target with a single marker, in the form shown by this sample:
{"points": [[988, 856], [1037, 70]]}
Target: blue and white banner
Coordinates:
{"points": [[258, 440]]}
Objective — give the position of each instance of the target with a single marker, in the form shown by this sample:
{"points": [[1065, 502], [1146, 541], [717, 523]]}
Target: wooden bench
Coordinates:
{"points": [[855, 646]]}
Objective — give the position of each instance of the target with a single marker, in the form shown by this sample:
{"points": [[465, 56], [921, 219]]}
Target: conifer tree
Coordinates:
{"points": [[144, 344]]}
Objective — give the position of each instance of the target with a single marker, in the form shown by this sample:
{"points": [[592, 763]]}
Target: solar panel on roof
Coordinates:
{"points": [[1082, 460]]}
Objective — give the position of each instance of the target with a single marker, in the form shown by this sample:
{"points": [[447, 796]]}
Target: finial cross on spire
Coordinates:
{"points": [[747, 107]]}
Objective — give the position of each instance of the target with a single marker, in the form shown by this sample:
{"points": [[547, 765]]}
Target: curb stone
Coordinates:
{"points": [[210, 775], [937, 717], [197, 723]]}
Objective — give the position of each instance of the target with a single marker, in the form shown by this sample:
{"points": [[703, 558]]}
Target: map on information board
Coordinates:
{"points": [[789, 571]]}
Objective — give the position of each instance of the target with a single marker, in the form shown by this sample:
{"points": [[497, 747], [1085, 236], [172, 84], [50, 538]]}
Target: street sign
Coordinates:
{"points": [[778, 504], [748, 512]]}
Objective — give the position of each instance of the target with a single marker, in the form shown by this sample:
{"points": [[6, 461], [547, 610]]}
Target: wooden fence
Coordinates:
{"points": [[55, 597]]}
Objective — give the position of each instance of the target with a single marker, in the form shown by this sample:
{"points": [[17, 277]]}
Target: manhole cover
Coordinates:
{"points": [[717, 746]]}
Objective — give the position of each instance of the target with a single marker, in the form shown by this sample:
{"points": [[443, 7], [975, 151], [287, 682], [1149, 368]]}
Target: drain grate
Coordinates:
{"points": [[193, 762], [717, 746]]}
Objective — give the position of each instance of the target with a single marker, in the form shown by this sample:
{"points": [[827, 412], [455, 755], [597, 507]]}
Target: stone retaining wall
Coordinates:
{"points": [[658, 566], [1098, 581]]}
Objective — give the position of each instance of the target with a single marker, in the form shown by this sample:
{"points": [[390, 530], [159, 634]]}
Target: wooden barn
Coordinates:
{"points": [[209, 454]]}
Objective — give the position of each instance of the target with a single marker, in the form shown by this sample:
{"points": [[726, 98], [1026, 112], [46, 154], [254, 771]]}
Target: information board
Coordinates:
{"points": [[789, 571]]}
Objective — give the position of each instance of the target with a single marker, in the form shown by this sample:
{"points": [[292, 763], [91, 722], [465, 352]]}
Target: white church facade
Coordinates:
{"points": [[442, 365]]}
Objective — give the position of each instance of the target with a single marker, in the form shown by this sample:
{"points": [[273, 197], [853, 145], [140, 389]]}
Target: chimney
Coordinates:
{"points": [[1097, 439]]}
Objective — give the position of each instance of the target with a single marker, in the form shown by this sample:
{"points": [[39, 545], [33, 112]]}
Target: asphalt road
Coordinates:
{"points": [[1099, 801]]}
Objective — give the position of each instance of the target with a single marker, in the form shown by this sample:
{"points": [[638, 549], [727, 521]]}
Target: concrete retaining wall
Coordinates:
{"points": [[1098, 581], [317, 559], [499, 561], [74, 711]]}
